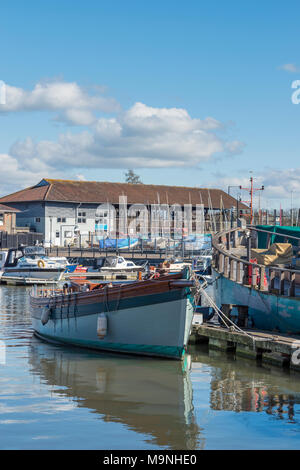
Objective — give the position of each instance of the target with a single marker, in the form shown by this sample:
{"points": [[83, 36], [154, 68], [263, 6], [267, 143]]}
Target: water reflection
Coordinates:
{"points": [[244, 386], [15, 318], [152, 397], [220, 403]]}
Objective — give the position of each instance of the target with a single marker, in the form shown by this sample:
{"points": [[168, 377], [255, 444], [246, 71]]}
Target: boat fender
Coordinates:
{"points": [[41, 263], [102, 326], [45, 315]]}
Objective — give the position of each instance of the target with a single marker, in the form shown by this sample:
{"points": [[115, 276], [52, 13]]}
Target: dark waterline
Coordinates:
{"points": [[66, 398]]}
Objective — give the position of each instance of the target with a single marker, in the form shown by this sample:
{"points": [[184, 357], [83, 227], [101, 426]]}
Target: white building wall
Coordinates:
{"points": [[61, 221]]}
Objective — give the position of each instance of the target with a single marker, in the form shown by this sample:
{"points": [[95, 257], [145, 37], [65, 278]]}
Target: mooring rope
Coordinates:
{"points": [[222, 315]]}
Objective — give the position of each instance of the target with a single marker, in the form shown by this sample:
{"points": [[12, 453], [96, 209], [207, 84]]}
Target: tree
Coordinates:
{"points": [[132, 178]]}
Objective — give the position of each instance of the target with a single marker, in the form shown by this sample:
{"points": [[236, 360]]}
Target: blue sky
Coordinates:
{"points": [[186, 93]]}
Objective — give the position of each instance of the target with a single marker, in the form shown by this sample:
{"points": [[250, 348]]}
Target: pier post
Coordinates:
{"points": [[226, 263], [235, 239], [231, 270], [272, 280], [262, 278], [221, 344], [221, 263], [228, 241], [248, 240], [242, 316], [292, 288], [226, 309], [243, 350], [239, 267], [254, 276], [281, 278], [245, 274], [275, 358]]}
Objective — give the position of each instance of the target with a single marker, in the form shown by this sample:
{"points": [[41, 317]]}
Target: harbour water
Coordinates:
{"points": [[54, 397]]}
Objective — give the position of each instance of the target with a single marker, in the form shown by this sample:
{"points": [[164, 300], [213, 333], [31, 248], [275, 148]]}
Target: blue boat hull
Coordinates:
{"points": [[117, 243], [266, 311]]}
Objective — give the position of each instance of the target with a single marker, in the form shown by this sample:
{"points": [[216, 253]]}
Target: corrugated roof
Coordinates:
{"points": [[99, 192]]}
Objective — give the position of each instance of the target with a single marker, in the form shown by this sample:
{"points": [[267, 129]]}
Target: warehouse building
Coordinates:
{"points": [[61, 208]]}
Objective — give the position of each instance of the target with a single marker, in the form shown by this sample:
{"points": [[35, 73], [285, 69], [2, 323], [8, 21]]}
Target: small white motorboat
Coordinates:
{"points": [[30, 262], [120, 264]]}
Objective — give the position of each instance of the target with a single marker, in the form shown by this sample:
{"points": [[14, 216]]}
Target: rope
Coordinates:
{"points": [[223, 317], [106, 298], [197, 288]]}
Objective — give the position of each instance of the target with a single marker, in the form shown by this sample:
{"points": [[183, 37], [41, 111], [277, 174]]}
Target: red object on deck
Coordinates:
{"points": [[250, 270], [79, 269]]}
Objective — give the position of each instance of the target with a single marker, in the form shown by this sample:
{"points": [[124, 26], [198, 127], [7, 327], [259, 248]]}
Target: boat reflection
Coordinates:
{"points": [[244, 386], [152, 397]]}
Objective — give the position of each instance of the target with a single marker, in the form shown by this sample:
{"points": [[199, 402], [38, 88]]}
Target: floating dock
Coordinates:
{"points": [[102, 276], [270, 348], [25, 281], [98, 276]]}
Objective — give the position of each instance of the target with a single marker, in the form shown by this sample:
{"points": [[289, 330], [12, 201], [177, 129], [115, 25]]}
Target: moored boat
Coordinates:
{"points": [[267, 295], [117, 243], [31, 262], [120, 264], [148, 317]]}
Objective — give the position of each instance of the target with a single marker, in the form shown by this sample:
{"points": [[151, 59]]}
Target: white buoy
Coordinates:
{"points": [[102, 326]]}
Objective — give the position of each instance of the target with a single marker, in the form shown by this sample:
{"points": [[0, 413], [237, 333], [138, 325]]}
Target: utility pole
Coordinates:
{"points": [[251, 190]]}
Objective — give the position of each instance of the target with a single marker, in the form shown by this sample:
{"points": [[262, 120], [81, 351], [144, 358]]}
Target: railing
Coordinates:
{"points": [[244, 271], [172, 248], [14, 240]]}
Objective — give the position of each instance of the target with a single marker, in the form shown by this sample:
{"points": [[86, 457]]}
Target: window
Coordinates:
{"points": [[57, 234], [81, 217], [37, 219], [68, 234], [61, 219]]}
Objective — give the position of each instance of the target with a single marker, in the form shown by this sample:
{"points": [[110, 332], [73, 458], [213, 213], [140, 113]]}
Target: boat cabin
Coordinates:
{"points": [[10, 258]]}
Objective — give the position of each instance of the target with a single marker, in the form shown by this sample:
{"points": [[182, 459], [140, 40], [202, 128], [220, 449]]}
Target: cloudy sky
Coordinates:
{"points": [[185, 93]]}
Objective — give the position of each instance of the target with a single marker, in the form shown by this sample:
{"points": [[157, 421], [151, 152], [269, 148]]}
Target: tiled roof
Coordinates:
{"points": [[99, 192], [4, 208]]}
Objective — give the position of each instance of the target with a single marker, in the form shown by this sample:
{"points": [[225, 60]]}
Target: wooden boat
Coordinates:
{"points": [[148, 317], [263, 296]]}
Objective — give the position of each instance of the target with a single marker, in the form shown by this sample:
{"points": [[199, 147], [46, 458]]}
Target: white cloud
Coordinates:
{"points": [[142, 137], [290, 68], [16, 175], [278, 185], [72, 102], [139, 137]]}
